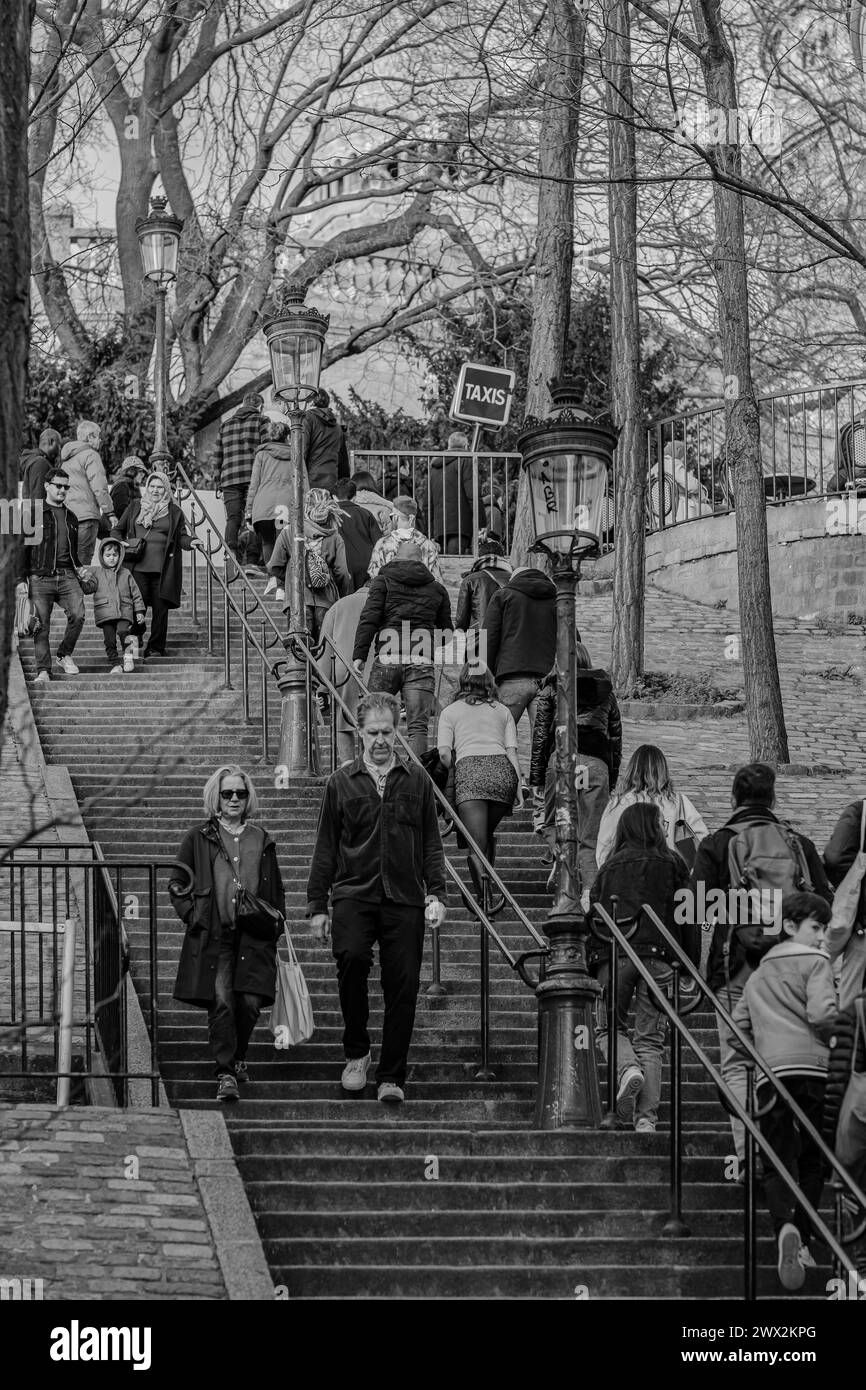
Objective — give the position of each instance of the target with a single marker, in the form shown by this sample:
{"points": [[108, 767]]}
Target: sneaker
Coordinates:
{"points": [[792, 1275], [128, 662], [630, 1087], [354, 1076], [271, 585], [644, 1125], [242, 1074], [227, 1089], [279, 595], [117, 670], [43, 678], [806, 1258], [67, 664], [390, 1092]]}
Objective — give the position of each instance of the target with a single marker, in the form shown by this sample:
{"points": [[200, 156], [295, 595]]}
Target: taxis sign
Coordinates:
{"points": [[483, 395]]}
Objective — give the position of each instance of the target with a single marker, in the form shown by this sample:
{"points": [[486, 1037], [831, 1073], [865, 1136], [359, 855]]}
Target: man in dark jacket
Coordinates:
{"points": [[487, 576], [239, 439], [127, 487], [36, 464], [452, 504], [379, 860], [51, 571], [734, 954], [324, 444], [520, 634], [359, 530], [408, 613]]}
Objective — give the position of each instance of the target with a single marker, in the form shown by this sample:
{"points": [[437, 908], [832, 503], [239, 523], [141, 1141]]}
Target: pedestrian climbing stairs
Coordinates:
{"points": [[452, 1195]]}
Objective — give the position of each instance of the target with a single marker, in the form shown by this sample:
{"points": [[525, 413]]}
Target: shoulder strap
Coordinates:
{"points": [[223, 852]]}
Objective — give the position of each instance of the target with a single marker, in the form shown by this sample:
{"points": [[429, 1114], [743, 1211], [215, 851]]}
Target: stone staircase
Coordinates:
{"points": [[453, 1195]]}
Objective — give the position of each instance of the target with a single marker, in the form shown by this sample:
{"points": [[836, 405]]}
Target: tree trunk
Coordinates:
{"points": [[768, 738], [630, 518], [551, 295], [14, 295]]}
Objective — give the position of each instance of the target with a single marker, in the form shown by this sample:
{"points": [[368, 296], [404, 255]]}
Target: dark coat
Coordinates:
{"points": [[324, 447], [486, 577], [123, 493], [256, 968], [403, 591], [41, 559], [360, 532], [179, 539], [839, 1067], [842, 849], [34, 469], [599, 725], [452, 510], [711, 866], [654, 879], [520, 623]]}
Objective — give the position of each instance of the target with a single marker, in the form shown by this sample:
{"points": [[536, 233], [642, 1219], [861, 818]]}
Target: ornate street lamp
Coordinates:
{"points": [[295, 336], [159, 239], [566, 457]]}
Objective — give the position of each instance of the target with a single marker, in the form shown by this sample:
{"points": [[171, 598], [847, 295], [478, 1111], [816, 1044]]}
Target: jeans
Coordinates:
{"points": [[231, 1017], [797, 1150], [399, 930], [148, 585], [112, 629], [267, 534], [591, 801], [733, 1066], [519, 693], [63, 589], [87, 534], [646, 1048], [234, 498], [418, 687]]}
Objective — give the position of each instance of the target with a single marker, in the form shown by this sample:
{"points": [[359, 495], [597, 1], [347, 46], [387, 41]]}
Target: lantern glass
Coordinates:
{"points": [[296, 362], [567, 492], [159, 254]]}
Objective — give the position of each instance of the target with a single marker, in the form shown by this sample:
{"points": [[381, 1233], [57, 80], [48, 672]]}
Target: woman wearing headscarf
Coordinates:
{"points": [[326, 574], [227, 965], [153, 529]]}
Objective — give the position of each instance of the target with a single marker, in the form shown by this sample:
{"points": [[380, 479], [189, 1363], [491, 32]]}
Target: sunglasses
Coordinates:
{"points": [[241, 795], [61, 487]]}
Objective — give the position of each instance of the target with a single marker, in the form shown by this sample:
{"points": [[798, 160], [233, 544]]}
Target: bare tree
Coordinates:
{"points": [[14, 295]]}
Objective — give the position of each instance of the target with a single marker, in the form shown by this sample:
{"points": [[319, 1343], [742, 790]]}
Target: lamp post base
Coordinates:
{"points": [[568, 1094], [299, 747]]}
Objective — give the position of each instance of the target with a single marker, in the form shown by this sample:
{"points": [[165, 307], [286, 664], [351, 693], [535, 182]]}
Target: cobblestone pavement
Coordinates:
{"points": [[101, 1204]]}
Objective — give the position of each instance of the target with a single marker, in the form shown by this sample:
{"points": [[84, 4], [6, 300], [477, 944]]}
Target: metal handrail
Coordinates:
{"points": [[741, 1113], [295, 641]]}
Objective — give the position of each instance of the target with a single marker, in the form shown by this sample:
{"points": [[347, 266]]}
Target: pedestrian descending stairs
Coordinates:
{"points": [[453, 1194]]}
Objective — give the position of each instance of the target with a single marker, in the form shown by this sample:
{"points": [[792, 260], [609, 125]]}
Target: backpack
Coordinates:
{"points": [[316, 570], [767, 855]]}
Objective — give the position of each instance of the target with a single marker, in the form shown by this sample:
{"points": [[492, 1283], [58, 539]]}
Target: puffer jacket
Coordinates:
{"points": [[88, 493], [637, 879], [403, 592], [788, 1009], [271, 482], [520, 623], [839, 1065], [117, 594], [599, 726], [486, 577]]}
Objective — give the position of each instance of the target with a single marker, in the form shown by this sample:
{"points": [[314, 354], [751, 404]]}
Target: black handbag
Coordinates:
{"points": [[253, 916], [135, 548]]}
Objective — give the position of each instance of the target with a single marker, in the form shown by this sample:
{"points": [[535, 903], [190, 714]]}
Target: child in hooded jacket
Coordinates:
{"points": [[116, 602], [788, 1010]]}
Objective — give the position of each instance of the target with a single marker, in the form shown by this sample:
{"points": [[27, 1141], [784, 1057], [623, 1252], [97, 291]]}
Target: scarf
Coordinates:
{"points": [[152, 508], [380, 775]]}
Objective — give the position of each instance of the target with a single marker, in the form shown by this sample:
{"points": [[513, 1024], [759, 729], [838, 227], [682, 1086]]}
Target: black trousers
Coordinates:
{"points": [[148, 585], [399, 930], [112, 629], [797, 1150]]}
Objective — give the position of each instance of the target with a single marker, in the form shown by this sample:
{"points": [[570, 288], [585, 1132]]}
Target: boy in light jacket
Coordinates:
{"points": [[787, 1010], [116, 601]]}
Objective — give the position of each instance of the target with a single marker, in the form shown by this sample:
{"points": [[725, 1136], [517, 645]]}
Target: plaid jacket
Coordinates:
{"points": [[239, 438]]}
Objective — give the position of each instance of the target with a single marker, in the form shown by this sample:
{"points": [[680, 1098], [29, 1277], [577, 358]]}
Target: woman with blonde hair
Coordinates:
{"points": [[233, 906], [647, 779], [480, 733]]}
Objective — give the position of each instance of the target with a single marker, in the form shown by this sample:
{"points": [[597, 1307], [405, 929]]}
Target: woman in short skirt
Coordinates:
{"points": [[479, 732]]}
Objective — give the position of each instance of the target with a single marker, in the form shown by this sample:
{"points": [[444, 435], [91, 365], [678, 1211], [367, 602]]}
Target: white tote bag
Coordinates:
{"points": [[292, 1012]]}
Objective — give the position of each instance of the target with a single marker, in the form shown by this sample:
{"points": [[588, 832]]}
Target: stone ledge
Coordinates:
{"points": [[672, 709]]}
